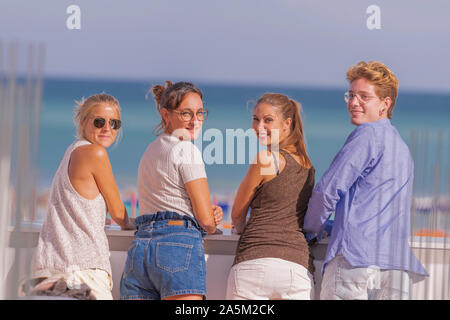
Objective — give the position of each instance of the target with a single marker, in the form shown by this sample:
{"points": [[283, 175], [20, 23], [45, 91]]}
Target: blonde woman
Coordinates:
{"points": [[272, 259], [72, 244]]}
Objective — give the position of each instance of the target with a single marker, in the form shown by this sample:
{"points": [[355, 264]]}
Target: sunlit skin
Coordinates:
{"points": [[371, 110], [270, 128], [266, 120], [90, 170], [101, 136], [188, 130], [207, 214]]}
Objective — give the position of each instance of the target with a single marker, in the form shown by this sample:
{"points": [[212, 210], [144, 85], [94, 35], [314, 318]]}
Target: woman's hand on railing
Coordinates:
{"points": [[218, 214], [129, 224]]}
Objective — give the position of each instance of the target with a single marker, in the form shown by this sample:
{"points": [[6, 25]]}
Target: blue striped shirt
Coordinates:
{"points": [[369, 187]]}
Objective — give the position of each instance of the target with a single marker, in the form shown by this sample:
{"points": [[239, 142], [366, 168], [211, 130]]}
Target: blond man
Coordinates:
{"points": [[369, 187]]}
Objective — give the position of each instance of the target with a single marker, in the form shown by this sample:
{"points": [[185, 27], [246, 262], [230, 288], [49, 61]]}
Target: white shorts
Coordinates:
{"points": [[269, 278], [98, 280], [342, 281]]}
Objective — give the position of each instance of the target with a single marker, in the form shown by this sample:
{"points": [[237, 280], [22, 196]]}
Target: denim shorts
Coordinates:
{"points": [[166, 258]]}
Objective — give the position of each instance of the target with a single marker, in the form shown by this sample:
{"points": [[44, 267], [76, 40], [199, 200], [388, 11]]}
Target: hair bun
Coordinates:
{"points": [[158, 91]]}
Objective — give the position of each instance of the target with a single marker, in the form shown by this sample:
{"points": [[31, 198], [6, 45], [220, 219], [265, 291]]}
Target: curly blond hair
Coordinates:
{"points": [[380, 76]]}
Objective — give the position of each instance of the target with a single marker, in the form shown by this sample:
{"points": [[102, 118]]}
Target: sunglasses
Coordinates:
{"points": [[114, 123]]}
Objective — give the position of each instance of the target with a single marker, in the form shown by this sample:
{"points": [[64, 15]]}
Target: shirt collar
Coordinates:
{"points": [[169, 137], [384, 121]]}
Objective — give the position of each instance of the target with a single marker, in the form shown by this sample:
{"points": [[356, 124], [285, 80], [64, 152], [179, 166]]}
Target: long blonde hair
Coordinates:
{"points": [[289, 108]]}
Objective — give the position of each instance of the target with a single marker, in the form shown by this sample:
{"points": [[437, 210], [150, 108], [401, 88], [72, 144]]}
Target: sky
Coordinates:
{"points": [[253, 42]]}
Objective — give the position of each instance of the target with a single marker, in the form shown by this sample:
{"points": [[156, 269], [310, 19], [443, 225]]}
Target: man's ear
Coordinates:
{"points": [[387, 102], [386, 105]]}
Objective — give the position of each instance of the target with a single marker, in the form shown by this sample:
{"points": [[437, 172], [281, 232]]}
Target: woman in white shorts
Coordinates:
{"points": [[273, 259], [72, 244]]}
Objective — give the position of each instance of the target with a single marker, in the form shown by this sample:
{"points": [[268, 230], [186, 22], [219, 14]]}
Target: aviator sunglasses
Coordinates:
{"points": [[114, 123]]}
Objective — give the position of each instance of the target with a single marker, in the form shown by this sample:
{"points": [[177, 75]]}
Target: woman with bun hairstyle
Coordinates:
{"points": [[166, 258], [272, 259], [72, 243]]}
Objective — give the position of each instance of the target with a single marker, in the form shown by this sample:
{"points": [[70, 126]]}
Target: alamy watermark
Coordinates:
{"points": [[237, 146], [374, 20], [73, 21]]}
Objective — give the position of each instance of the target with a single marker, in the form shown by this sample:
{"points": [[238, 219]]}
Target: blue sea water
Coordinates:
{"points": [[325, 119], [324, 115]]}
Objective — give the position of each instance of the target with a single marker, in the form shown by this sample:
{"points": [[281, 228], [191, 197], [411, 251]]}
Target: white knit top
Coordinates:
{"points": [[166, 166], [73, 235]]}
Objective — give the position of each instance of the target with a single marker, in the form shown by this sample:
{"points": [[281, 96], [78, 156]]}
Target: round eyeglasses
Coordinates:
{"points": [[188, 115], [362, 98]]}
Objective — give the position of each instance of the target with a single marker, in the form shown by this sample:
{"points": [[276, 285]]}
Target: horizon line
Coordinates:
{"points": [[238, 83], [226, 83]]}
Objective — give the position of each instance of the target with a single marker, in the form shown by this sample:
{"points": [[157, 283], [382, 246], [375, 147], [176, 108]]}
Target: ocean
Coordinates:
{"points": [[324, 114]]}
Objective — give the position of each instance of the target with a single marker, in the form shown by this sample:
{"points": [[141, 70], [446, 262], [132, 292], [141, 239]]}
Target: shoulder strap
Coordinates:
{"points": [[275, 162]]}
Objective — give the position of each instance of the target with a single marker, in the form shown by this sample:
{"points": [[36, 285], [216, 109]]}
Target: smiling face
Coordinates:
{"points": [[188, 130], [102, 136], [364, 105], [268, 123]]}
